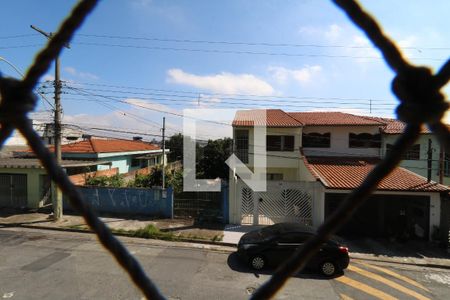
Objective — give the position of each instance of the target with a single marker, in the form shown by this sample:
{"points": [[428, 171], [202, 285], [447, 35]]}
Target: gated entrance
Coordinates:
{"points": [[282, 202], [13, 190]]}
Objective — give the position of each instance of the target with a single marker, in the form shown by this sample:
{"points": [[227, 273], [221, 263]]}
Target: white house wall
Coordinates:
{"points": [[281, 162], [339, 141]]}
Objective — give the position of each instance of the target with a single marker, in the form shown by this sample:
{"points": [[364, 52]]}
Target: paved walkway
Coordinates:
{"points": [[232, 233]]}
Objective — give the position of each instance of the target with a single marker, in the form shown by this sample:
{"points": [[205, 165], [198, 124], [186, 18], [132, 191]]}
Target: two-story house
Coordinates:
{"points": [[314, 160]]}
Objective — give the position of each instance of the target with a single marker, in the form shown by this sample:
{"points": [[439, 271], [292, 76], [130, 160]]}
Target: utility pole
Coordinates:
{"points": [[429, 160], [164, 153], [57, 199]]}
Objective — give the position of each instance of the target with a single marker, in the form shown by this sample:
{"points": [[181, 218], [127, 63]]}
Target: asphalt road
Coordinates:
{"points": [[37, 264]]}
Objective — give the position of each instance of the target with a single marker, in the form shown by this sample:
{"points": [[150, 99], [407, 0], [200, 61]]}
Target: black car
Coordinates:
{"points": [[274, 244]]}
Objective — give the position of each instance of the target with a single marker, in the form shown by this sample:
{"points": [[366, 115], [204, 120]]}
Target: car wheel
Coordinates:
{"points": [[258, 262], [328, 268]]}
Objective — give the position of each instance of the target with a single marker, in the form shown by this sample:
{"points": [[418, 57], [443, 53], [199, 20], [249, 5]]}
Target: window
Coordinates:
{"points": [[274, 176], [316, 140], [241, 150], [280, 143], [364, 140], [412, 153], [135, 162], [293, 238]]}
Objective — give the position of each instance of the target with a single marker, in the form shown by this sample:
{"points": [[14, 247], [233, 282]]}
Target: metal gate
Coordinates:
{"points": [[13, 190], [282, 202]]}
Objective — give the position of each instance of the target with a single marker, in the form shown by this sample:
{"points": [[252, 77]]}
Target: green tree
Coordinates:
{"points": [[175, 145], [108, 181], [211, 163]]}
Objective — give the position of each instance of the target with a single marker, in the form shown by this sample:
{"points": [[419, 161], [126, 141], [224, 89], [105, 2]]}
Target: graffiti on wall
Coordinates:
{"points": [[151, 202]]}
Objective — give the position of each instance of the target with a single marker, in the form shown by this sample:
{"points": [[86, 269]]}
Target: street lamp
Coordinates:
{"points": [[12, 66]]}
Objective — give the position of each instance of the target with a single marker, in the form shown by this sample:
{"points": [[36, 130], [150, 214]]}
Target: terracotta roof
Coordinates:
{"points": [[273, 118], [349, 172], [394, 126], [34, 163], [333, 118], [94, 145]]}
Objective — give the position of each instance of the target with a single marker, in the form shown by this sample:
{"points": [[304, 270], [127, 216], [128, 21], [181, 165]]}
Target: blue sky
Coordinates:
{"points": [[301, 55]]}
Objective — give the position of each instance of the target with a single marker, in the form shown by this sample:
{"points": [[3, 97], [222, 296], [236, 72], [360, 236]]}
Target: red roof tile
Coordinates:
{"points": [[94, 145], [333, 118], [273, 118], [349, 173], [394, 126]]}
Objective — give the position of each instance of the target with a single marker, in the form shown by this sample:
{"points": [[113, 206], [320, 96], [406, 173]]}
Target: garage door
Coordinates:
{"points": [[13, 190], [398, 216]]}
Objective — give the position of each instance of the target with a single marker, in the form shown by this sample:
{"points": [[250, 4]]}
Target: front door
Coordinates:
{"points": [[13, 190]]}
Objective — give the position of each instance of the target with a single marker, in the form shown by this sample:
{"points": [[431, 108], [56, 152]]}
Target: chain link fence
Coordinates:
{"points": [[417, 88]]}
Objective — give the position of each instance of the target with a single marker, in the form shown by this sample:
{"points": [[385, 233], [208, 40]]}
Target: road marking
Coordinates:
{"points": [[398, 276], [388, 282], [365, 288], [345, 297]]}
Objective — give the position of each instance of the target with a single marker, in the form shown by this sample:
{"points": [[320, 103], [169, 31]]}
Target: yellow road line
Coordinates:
{"points": [[365, 288], [398, 276], [388, 283], [345, 297]]}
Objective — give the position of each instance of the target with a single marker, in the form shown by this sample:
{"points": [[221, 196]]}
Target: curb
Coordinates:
{"points": [[427, 265], [224, 244], [185, 240]]}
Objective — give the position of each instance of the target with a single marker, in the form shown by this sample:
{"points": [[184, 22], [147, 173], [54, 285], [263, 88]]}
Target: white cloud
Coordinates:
{"points": [[222, 83], [303, 76], [81, 75], [48, 77], [333, 32], [149, 106], [330, 33]]}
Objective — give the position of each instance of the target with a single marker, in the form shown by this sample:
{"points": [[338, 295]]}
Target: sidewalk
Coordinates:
{"points": [[417, 254]]}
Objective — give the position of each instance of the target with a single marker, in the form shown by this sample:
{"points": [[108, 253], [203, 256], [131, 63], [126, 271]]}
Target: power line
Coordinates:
{"points": [[21, 46], [244, 52], [158, 110], [269, 44], [196, 93], [279, 99], [4, 37], [149, 122], [222, 42]]}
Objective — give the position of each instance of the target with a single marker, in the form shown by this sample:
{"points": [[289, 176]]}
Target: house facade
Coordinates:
{"points": [[126, 155], [299, 188], [24, 182]]}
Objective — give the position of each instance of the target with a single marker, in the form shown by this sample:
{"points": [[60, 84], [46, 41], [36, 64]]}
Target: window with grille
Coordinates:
{"points": [[241, 149], [364, 140], [280, 143], [412, 153], [316, 140]]}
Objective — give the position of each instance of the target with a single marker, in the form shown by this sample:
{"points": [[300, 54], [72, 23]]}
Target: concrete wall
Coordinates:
{"points": [[339, 141], [133, 201]]}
